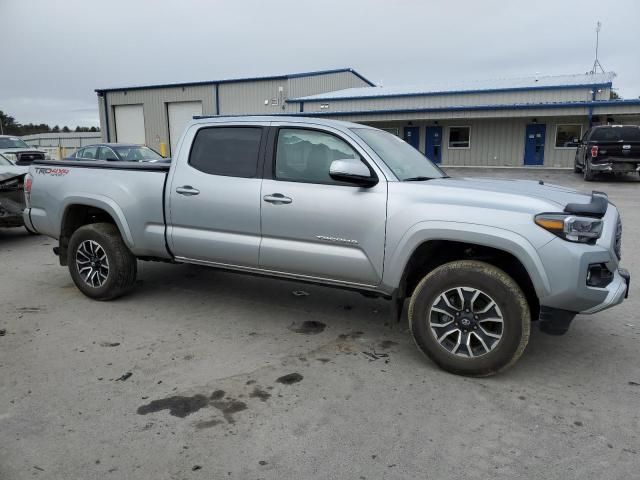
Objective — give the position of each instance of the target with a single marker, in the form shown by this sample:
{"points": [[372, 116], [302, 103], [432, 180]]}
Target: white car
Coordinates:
{"points": [[18, 152]]}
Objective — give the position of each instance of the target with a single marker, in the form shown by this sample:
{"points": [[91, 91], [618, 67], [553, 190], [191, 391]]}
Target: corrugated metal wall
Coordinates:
{"points": [[440, 101], [235, 98], [154, 102], [304, 86], [496, 142]]}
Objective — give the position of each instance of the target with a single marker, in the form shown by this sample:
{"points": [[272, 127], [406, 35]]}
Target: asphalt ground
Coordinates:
{"points": [[201, 374]]}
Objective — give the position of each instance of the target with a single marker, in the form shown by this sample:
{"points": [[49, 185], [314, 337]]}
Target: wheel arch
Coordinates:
{"points": [[429, 246], [85, 211]]}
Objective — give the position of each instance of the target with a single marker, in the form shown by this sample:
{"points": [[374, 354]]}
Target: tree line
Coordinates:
{"points": [[9, 126]]}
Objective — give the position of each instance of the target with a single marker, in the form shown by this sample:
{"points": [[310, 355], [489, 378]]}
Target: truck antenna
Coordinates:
{"points": [[596, 63]]}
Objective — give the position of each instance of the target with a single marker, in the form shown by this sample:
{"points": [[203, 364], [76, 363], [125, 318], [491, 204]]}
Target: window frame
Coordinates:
{"points": [[449, 147], [270, 173], [84, 149], [261, 149], [106, 147], [555, 138]]}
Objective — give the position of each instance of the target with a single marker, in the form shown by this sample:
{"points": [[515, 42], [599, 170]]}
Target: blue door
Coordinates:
{"points": [[534, 144], [433, 150], [412, 136]]}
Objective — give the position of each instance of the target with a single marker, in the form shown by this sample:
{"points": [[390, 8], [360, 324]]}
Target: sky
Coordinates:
{"points": [[55, 53]]}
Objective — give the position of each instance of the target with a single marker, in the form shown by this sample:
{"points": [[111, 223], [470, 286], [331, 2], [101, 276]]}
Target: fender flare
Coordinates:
{"points": [[103, 203], [498, 238]]}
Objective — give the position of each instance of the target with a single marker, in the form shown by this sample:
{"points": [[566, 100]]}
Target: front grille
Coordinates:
{"points": [[618, 245], [30, 156]]}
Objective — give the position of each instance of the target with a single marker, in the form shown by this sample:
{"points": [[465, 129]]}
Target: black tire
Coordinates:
{"points": [[496, 285], [587, 173], [121, 267]]}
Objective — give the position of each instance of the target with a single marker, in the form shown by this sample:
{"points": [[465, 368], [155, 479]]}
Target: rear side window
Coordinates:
{"points": [[227, 151], [616, 134]]}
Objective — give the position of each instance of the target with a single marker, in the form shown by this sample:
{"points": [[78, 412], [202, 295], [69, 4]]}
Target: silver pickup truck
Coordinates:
{"points": [[350, 206]]}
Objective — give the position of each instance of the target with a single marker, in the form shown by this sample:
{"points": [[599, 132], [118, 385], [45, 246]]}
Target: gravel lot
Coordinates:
{"points": [[233, 376]]}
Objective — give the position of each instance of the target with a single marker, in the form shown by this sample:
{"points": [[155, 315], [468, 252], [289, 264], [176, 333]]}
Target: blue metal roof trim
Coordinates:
{"points": [[236, 80], [451, 92]]}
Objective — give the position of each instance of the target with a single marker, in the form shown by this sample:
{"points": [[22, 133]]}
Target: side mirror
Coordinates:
{"points": [[352, 170]]}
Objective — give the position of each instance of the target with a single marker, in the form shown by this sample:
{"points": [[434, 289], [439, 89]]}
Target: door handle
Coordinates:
{"points": [[187, 190], [277, 199]]}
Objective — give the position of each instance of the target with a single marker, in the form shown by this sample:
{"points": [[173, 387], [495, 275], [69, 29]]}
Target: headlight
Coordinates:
{"points": [[11, 156], [570, 227]]}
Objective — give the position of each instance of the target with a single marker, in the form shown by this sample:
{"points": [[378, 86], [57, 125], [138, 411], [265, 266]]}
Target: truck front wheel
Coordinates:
{"points": [[470, 318], [101, 265]]}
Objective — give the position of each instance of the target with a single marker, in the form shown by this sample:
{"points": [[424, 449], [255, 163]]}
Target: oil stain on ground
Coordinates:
{"points": [[178, 406], [310, 327], [290, 379], [261, 394]]}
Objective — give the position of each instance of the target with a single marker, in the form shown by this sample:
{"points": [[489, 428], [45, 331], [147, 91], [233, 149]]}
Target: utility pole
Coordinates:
{"points": [[596, 63]]}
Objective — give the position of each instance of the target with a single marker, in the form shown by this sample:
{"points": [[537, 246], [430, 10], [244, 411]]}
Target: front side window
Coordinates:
{"points": [[306, 155], [566, 135], [227, 151], [459, 137]]}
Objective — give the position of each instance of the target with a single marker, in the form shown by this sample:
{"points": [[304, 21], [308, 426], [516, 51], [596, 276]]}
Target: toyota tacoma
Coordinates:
{"points": [[350, 206]]}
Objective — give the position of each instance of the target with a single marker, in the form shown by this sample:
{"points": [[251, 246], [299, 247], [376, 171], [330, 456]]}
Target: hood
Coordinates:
{"points": [[498, 193], [545, 191]]}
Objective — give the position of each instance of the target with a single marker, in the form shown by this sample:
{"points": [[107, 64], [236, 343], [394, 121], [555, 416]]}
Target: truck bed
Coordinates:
{"points": [[132, 193]]}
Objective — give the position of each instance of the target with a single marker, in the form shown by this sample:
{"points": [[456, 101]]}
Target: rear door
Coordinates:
{"points": [[313, 226], [214, 195]]}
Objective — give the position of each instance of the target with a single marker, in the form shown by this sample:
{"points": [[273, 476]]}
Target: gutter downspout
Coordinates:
{"points": [[106, 115], [593, 99], [217, 99]]}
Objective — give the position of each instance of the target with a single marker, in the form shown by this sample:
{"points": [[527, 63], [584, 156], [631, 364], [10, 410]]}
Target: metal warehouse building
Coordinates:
{"points": [[509, 122]]}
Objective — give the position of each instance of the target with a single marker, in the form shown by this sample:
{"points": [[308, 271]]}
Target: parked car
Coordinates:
{"points": [[18, 152], [118, 152], [350, 206], [12, 199], [608, 149]]}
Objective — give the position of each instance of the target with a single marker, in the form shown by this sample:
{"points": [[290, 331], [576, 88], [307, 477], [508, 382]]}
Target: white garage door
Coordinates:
{"points": [[130, 124], [180, 114]]}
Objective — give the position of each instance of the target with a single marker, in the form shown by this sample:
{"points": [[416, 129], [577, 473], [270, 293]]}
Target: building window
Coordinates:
{"points": [[394, 131], [566, 135], [459, 137]]}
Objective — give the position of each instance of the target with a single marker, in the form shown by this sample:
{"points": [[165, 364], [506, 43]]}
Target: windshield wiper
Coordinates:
{"points": [[417, 179]]}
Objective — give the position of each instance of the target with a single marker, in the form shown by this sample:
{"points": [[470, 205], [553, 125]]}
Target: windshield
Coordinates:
{"points": [[4, 161], [405, 161], [12, 142], [136, 154]]}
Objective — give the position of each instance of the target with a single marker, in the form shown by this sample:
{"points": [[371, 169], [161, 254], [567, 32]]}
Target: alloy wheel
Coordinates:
{"points": [[466, 322]]}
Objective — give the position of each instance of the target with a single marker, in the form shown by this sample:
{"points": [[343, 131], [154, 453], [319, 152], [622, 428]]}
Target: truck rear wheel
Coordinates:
{"points": [[470, 318], [101, 265]]}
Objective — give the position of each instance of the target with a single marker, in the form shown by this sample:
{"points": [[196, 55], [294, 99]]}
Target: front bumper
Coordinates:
{"points": [[568, 265]]}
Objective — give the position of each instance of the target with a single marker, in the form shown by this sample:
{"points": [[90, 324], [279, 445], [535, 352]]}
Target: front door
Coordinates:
{"points": [[433, 149], [412, 136], [314, 226], [534, 144], [214, 196]]}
